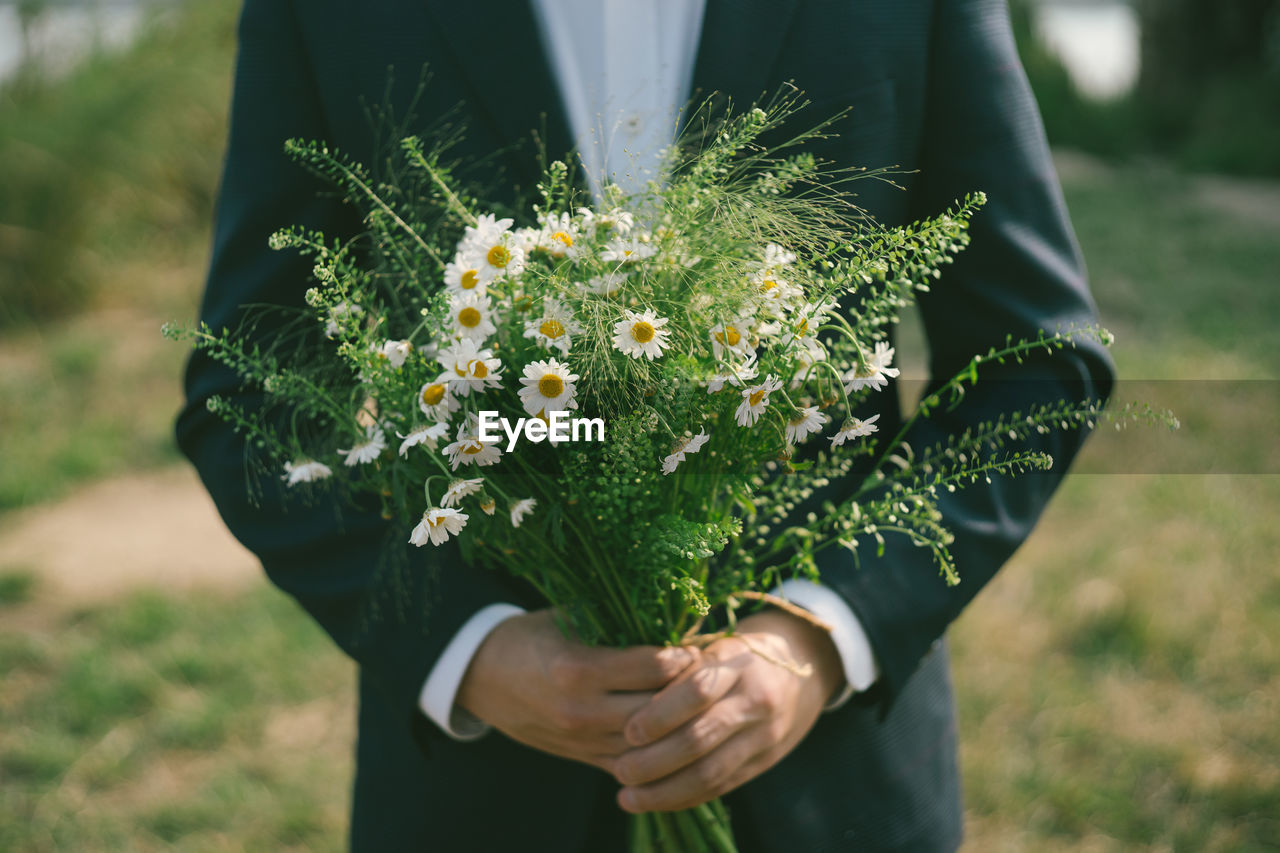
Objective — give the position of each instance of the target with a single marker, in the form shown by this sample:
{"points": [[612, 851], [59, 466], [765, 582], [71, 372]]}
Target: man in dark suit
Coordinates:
{"points": [[933, 86]]}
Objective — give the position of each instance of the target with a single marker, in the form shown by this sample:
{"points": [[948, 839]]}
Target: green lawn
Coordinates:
{"points": [[205, 722], [108, 178], [1117, 683]]}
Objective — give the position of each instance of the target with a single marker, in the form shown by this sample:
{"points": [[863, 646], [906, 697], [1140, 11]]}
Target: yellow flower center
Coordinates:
{"points": [[802, 328], [524, 303], [433, 394], [551, 328], [642, 331], [755, 398], [498, 256], [470, 317], [436, 522], [473, 448], [478, 369], [551, 386], [768, 284], [729, 334], [470, 279], [563, 238]]}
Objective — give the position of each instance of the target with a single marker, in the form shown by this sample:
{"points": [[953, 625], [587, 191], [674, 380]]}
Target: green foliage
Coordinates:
{"points": [[1219, 114], [16, 586], [122, 152]]}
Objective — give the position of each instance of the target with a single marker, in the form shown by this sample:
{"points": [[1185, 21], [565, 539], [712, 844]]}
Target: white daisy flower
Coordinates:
{"points": [[436, 400], [469, 368], [804, 423], [755, 400], [428, 435], [488, 506], [877, 372], [493, 248], [773, 287], [486, 229], [464, 274], [855, 428], [526, 239], [736, 375], [548, 387], [641, 335], [616, 221], [606, 284], [626, 250], [555, 328], [520, 509], [437, 525], [460, 489], [368, 450], [558, 236], [305, 471], [470, 316], [775, 256], [732, 337], [804, 323], [338, 314], [469, 449], [686, 446], [394, 352]]}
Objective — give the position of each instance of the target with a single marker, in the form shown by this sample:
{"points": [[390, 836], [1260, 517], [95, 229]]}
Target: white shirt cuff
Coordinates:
{"points": [[859, 662], [441, 687]]}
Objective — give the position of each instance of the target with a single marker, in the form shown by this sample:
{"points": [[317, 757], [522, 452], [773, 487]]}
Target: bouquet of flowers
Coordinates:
{"points": [[643, 404]]}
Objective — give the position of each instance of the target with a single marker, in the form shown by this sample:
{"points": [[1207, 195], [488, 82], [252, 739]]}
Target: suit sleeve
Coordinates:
{"points": [[1022, 273], [334, 560]]}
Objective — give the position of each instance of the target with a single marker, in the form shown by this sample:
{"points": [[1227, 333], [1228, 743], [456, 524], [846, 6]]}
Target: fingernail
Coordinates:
{"points": [[679, 655]]}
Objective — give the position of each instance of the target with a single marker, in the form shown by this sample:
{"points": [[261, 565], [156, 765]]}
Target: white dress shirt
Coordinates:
{"points": [[624, 69]]}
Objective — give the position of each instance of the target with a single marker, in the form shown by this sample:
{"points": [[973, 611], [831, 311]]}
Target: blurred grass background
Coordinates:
{"points": [[1117, 683]]}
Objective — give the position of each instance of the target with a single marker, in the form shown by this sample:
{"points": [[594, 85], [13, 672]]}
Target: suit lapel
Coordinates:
{"points": [[739, 46], [499, 49]]}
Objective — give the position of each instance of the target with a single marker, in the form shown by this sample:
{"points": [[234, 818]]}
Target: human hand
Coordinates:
{"points": [[536, 686], [729, 716]]}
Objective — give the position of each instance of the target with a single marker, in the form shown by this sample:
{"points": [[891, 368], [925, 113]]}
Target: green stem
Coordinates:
{"points": [[695, 839], [715, 820]]}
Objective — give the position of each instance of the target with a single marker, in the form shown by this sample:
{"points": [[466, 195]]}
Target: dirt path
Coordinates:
{"points": [[153, 529]]}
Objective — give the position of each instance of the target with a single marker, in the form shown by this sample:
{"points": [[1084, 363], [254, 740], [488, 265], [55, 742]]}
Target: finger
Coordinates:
{"points": [[694, 691], [705, 779], [640, 667], [687, 744], [605, 713], [592, 748]]}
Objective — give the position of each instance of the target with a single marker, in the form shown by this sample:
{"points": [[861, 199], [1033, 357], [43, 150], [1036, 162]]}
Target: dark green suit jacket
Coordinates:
{"points": [[933, 86]]}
